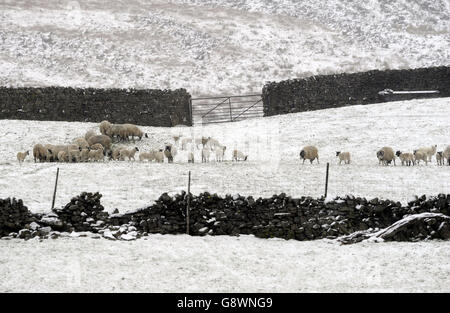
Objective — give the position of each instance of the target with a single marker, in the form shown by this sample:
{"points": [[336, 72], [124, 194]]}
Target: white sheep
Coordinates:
{"points": [[205, 154], [429, 151], [104, 126], [309, 153], [406, 158], [96, 155], [220, 151], [386, 155], [159, 156], [420, 155], [343, 156], [184, 142], [124, 153], [22, 155], [446, 155], [190, 157], [150, 156], [238, 155]]}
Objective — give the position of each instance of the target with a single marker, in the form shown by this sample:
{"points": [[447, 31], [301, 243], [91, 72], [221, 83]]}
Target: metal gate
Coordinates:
{"points": [[209, 110]]}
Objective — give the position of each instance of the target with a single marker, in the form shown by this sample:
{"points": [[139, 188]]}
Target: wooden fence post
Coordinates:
{"points": [[326, 180], [56, 185], [188, 203]]}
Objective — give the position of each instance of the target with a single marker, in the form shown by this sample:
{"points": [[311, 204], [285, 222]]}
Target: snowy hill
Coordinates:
{"points": [[273, 166], [211, 46]]}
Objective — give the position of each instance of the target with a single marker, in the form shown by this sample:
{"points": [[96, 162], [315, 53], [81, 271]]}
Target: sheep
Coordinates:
{"points": [[74, 154], [440, 158], [184, 142], [96, 155], [104, 126], [115, 154], [190, 157], [238, 155], [176, 139], [63, 157], [124, 153], [406, 158], [150, 156], [53, 150], [117, 131], [104, 140], [213, 143], [446, 155], [89, 134], [201, 141], [168, 153], [220, 151], [385, 156], [430, 151], [309, 152], [159, 156], [84, 155], [343, 156], [96, 146], [420, 155], [39, 152], [133, 130], [81, 142], [22, 155]]}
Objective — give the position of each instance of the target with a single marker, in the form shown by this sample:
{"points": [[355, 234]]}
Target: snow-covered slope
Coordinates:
{"points": [[213, 46], [222, 264], [272, 143]]}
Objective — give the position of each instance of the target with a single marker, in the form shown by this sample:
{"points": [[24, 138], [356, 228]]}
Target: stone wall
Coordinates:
{"points": [[148, 107], [329, 91], [280, 216]]}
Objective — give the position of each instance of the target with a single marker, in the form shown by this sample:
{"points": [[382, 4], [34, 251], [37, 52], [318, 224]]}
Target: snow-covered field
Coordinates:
{"points": [[222, 264], [213, 46], [273, 146]]}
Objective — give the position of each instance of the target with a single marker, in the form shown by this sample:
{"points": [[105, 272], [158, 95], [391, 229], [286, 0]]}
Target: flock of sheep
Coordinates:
{"points": [[97, 147], [386, 155]]}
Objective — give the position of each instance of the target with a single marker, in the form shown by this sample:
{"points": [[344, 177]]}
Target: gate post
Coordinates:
{"points": [[229, 103]]}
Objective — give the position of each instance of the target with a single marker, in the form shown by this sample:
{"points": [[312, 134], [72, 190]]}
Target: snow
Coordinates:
{"points": [[167, 263], [273, 145], [214, 47]]}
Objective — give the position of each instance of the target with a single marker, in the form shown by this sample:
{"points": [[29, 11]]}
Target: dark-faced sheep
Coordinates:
{"points": [[168, 153], [309, 153], [343, 156], [386, 155], [406, 158]]}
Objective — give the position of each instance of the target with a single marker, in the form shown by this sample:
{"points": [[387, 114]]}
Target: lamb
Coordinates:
{"points": [[386, 155], [205, 154], [96, 155], [309, 152], [159, 156], [406, 158], [238, 155], [420, 156], [150, 156], [190, 157], [74, 155], [429, 151], [39, 152], [446, 155], [343, 156], [81, 142], [124, 153], [22, 155], [184, 142], [63, 157], [104, 126], [168, 153], [89, 134], [115, 154], [104, 140], [440, 158], [220, 151]]}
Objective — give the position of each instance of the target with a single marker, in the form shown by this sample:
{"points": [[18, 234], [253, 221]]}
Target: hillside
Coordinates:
{"points": [[213, 47]]}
